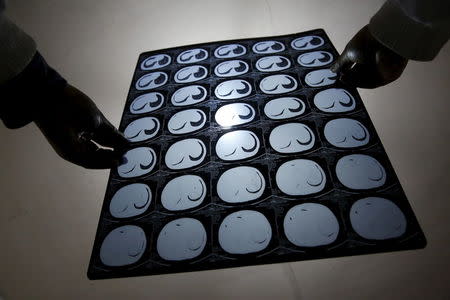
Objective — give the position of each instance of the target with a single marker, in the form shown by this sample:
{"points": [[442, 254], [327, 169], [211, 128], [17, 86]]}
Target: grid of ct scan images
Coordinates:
{"points": [[247, 152]]}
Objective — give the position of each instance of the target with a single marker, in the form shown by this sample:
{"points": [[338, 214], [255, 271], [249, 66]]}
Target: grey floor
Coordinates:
{"points": [[49, 208]]}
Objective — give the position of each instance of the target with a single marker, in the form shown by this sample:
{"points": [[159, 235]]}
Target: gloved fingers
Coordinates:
{"points": [[91, 156], [362, 76], [343, 63], [390, 65], [107, 135]]}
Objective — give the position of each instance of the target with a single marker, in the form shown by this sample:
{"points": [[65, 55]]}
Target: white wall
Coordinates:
{"points": [[49, 208]]}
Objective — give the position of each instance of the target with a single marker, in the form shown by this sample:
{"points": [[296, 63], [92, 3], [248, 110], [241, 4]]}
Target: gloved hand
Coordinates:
{"points": [[367, 63], [72, 122]]}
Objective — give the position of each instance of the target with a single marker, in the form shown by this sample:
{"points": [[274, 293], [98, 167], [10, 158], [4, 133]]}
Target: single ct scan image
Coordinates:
{"points": [[247, 152]]}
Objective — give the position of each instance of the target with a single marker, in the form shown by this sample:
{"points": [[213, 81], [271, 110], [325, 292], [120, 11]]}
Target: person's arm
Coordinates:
{"points": [[414, 29], [399, 31], [32, 91], [16, 48]]}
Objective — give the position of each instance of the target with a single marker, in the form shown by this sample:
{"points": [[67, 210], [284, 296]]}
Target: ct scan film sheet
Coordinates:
{"points": [[247, 152]]}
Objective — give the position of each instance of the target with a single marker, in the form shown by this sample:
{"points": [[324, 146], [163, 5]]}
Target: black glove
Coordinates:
{"points": [[367, 63], [72, 122]]}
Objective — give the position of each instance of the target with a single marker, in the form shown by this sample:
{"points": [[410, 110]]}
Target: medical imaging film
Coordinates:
{"points": [[247, 152]]}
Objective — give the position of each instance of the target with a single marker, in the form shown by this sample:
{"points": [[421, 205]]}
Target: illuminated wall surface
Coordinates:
{"points": [[50, 208], [247, 152]]}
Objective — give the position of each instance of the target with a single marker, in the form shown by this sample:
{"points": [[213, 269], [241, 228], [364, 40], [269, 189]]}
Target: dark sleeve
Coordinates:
{"points": [[415, 29], [29, 92]]}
